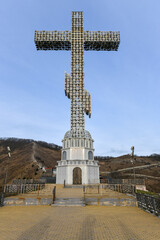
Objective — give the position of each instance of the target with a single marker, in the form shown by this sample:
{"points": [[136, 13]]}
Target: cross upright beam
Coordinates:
{"points": [[77, 40]]}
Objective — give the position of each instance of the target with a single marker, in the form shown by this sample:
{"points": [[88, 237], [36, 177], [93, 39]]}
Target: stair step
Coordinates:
{"points": [[68, 205], [68, 202], [73, 186]]}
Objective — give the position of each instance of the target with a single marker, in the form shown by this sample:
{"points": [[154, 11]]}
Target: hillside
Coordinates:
{"points": [[29, 156], [146, 167]]}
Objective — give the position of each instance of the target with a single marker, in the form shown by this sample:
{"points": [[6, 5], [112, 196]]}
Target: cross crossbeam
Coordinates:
{"points": [[77, 40], [93, 40]]}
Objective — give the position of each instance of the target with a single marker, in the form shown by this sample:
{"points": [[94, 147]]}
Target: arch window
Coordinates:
{"points": [[90, 155], [64, 155], [87, 144], [82, 143]]}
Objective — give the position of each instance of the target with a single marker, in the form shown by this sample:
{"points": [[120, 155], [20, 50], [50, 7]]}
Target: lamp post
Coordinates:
{"points": [[132, 161], [9, 156]]}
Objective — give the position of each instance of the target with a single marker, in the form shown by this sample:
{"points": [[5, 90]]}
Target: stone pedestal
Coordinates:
{"points": [[77, 164]]}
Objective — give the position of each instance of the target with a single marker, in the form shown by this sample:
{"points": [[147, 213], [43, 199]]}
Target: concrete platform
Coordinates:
{"points": [[77, 223], [72, 196], [27, 201], [42, 197], [125, 202]]}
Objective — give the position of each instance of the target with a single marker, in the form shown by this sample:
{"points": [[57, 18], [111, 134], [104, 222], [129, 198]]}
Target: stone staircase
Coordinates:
{"points": [[75, 195], [67, 197]]}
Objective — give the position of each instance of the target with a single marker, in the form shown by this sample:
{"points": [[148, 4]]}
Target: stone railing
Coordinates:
{"points": [[77, 162], [149, 203]]}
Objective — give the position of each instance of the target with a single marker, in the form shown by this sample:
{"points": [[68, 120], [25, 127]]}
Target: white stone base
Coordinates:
{"points": [[77, 153], [90, 172]]}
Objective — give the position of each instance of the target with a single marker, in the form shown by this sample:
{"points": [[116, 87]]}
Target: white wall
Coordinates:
{"points": [[90, 174]]}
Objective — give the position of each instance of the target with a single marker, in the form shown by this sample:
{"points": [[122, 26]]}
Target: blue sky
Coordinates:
{"points": [[124, 85]]}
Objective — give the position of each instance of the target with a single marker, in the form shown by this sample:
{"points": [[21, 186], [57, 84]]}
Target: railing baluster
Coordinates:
{"points": [[149, 203]]}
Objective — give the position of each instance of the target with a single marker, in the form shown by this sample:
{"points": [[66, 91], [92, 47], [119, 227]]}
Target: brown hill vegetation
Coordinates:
{"points": [[151, 174], [29, 156]]}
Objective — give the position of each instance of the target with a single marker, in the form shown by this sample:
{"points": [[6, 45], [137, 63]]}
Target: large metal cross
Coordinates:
{"points": [[77, 40]]}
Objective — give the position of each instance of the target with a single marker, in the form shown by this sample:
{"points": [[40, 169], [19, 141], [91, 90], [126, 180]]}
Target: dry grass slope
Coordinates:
{"points": [[28, 156]]}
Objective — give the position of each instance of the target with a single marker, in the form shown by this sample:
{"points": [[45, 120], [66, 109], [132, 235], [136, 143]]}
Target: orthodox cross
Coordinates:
{"points": [[77, 40]]}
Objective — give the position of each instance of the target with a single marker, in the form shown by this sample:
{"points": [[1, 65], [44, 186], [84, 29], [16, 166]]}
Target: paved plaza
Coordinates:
{"points": [[77, 223]]}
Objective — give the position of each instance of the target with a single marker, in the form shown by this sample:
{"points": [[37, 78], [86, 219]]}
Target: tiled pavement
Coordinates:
{"points": [[77, 223]]}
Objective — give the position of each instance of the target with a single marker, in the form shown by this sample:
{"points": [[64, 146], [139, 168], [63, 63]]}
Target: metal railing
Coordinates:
{"points": [[1, 199], [54, 194], [14, 189], [105, 179], [28, 181], [122, 188], [127, 181], [149, 203]]}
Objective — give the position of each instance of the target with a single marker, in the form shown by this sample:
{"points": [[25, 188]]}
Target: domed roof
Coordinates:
{"points": [[87, 134], [67, 134]]}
